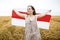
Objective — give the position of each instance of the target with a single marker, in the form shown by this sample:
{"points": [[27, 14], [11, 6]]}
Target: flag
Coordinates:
{"points": [[43, 22]]}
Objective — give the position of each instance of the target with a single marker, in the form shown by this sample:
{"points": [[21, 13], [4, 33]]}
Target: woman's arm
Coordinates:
{"points": [[41, 15], [19, 14]]}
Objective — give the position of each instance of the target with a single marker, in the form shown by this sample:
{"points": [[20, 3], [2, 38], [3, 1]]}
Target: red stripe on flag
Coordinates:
{"points": [[45, 18], [14, 15]]}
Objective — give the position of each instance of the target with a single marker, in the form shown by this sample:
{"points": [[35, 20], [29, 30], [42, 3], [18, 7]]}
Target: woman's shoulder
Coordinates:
{"points": [[26, 16], [36, 15]]}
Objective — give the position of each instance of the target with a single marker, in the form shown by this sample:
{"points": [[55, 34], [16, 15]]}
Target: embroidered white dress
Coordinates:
{"points": [[31, 29]]}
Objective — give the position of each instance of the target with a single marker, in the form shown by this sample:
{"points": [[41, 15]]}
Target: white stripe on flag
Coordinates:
{"points": [[21, 22], [18, 22], [42, 24]]}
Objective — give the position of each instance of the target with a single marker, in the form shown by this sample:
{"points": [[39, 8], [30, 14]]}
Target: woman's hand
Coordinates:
{"points": [[41, 15], [19, 14], [48, 11]]}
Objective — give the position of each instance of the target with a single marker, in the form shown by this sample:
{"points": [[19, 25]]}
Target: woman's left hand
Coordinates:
{"points": [[49, 11]]}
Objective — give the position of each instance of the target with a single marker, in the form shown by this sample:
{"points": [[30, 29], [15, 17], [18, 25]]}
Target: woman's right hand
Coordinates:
{"points": [[19, 14]]}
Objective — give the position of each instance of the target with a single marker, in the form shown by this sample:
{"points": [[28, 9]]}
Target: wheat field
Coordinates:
{"points": [[11, 32]]}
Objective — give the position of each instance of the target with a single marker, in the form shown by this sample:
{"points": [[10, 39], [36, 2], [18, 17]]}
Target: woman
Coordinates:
{"points": [[31, 29]]}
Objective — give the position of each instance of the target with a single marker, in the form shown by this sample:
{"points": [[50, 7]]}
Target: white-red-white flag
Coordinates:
{"points": [[42, 22]]}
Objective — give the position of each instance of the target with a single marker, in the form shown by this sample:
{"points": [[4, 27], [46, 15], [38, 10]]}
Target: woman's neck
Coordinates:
{"points": [[30, 15]]}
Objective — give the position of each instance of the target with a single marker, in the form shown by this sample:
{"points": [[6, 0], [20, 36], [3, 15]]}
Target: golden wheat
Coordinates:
{"points": [[11, 32]]}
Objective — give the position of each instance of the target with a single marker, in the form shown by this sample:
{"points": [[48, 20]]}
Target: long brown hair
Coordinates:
{"points": [[34, 13]]}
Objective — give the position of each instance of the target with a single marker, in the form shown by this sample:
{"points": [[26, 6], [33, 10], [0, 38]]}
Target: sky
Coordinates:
{"points": [[6, 6]]}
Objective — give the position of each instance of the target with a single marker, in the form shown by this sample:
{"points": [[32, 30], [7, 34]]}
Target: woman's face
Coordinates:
{"points": [[30, 10]]}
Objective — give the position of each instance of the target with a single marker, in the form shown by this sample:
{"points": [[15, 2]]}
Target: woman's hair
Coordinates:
{"points": [[34, 12]]}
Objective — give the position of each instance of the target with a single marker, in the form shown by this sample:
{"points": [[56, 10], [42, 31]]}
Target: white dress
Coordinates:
{"points": [[31, 29]]}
